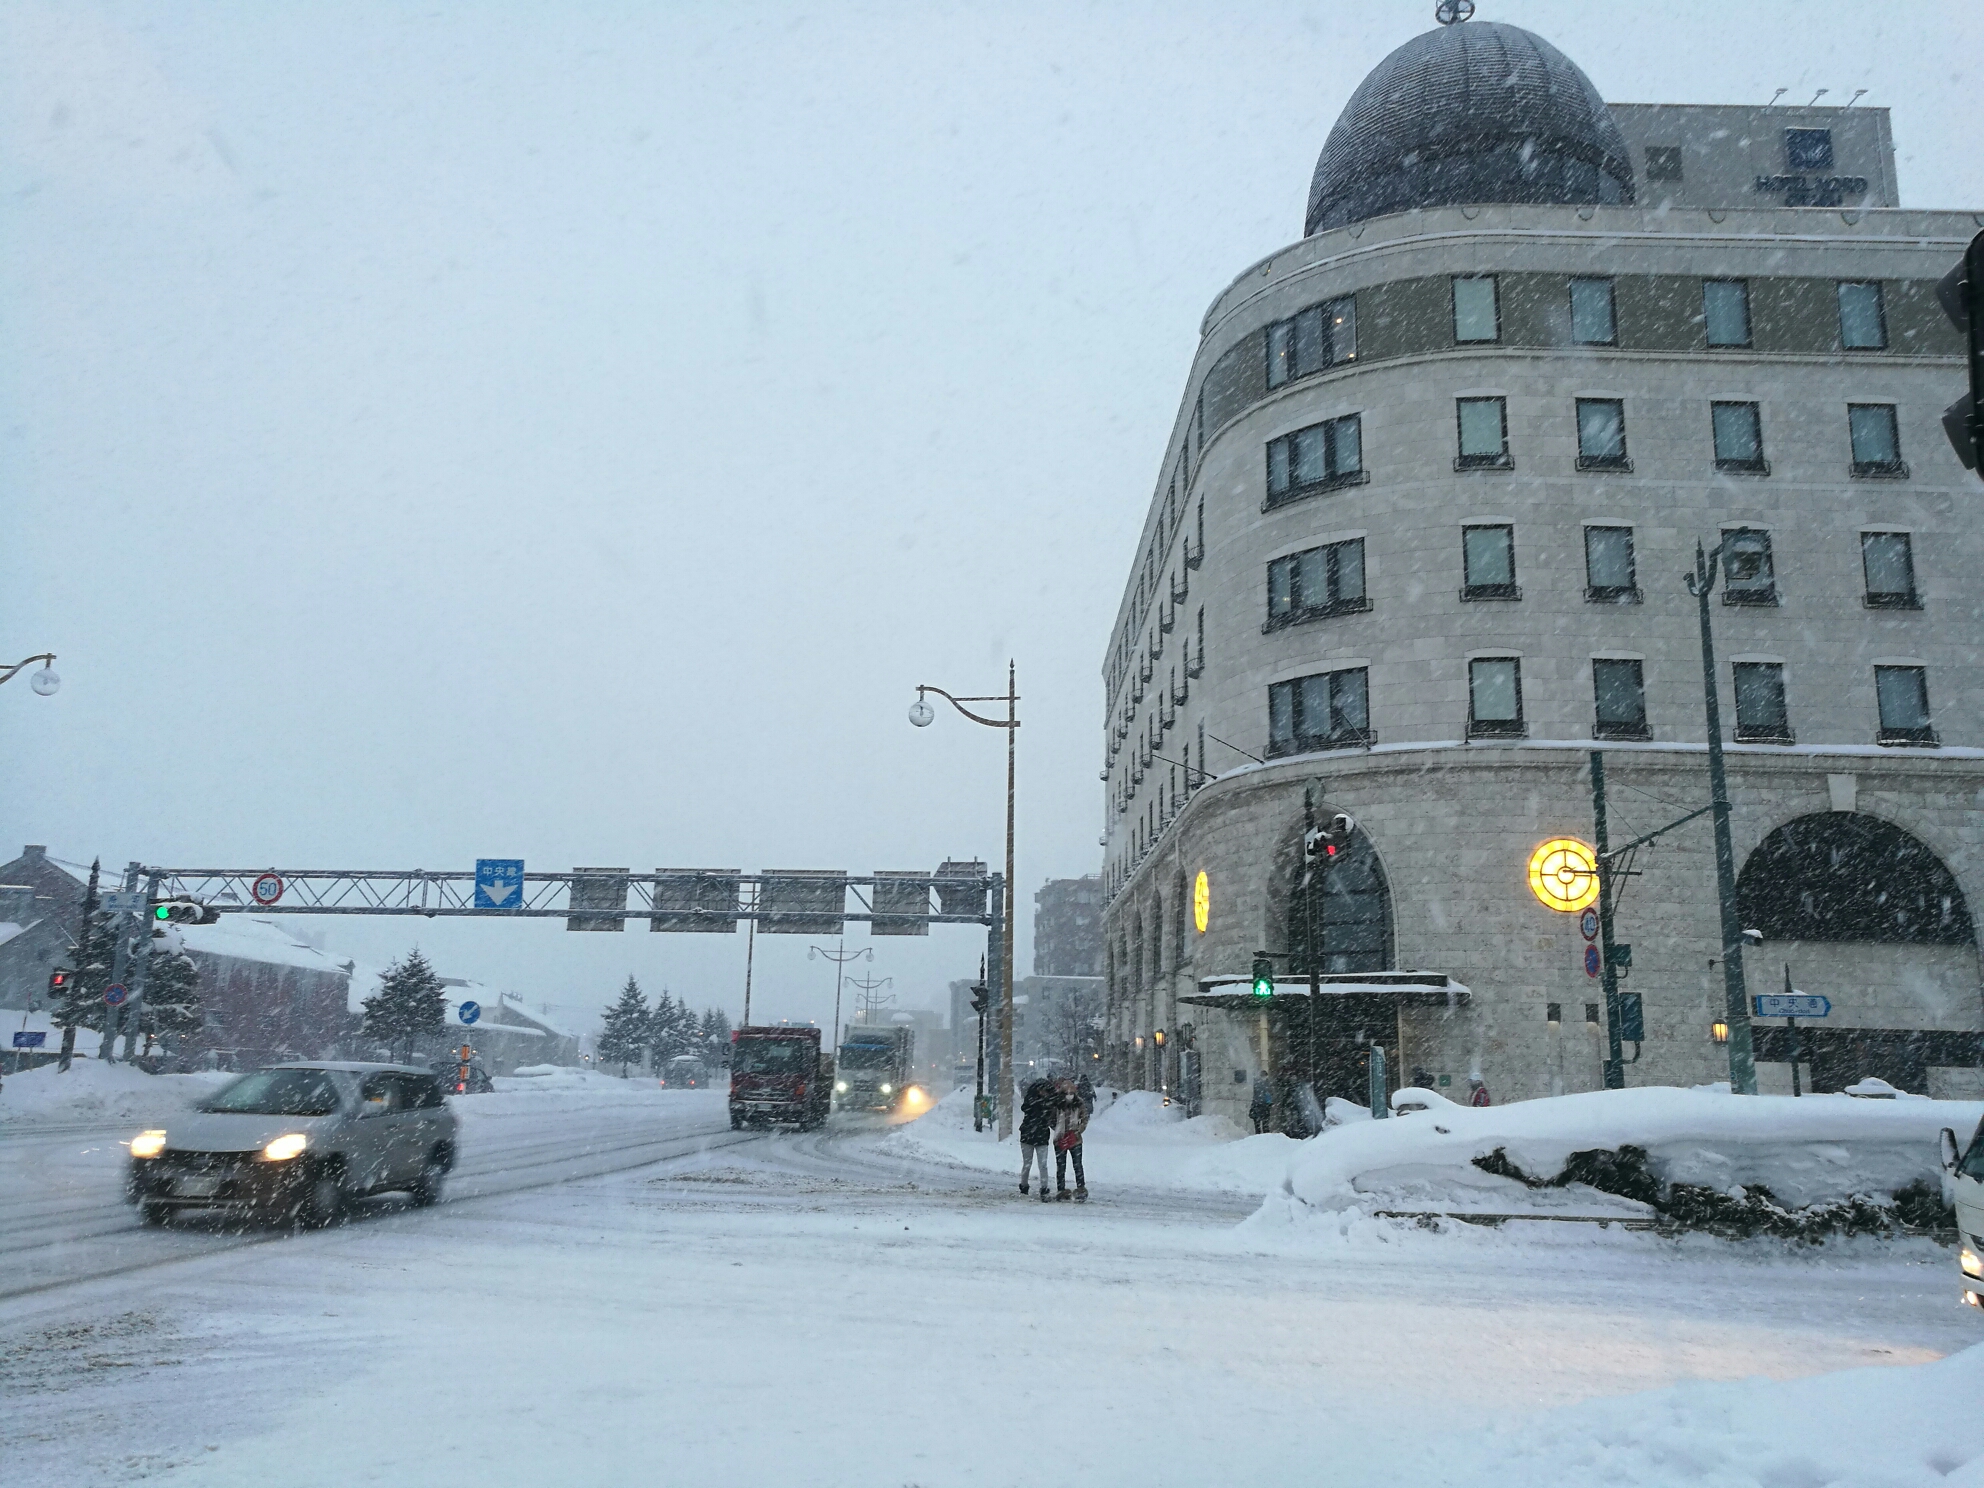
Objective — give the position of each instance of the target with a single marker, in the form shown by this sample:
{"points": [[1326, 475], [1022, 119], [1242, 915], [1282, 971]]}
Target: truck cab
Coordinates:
{"points": [[778, 1075], [873, 1071], [1965, 1167]]}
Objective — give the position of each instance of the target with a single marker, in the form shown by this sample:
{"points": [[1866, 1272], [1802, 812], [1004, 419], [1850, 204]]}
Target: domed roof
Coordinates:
{"points": [[1469, 113]]}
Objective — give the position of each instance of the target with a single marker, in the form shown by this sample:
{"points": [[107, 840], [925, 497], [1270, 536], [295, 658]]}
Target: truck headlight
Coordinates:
{"points": [[888, 1089], [1972, 1263], [152, 1143], [283, 1148], [841, 1086]]}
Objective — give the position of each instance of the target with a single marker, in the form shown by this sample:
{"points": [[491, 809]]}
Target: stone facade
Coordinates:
{"points": [[1452, 820]]}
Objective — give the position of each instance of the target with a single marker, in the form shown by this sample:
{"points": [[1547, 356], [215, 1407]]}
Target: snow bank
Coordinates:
{"points": [[1815, 1150], [1883, 1427], [94, 1091]]}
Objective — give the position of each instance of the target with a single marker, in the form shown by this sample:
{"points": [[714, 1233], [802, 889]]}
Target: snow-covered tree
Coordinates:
{"points": [[96, 937], [625, 1029], [409, 1005], [172, 997], [713, 1033]]}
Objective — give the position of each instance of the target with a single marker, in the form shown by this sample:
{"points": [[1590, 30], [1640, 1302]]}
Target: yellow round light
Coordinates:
{"points": [[1201, 902], [1563, 875]]}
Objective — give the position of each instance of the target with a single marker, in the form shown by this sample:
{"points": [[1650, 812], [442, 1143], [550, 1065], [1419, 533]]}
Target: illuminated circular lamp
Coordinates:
{"points": [[1563, 875], [1201, 902]]}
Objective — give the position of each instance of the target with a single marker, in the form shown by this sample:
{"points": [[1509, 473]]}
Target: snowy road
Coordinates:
{"points": [[762, 1308]]}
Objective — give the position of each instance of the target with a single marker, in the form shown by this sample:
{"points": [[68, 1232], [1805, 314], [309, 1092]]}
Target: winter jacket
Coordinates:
{"points": [[1070, 1122], [1087, 1092], [1037, 1110], [1263, 1101]]}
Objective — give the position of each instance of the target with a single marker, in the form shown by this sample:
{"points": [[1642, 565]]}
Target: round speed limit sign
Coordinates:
{"points": [[1588, 923], [266, 889]]}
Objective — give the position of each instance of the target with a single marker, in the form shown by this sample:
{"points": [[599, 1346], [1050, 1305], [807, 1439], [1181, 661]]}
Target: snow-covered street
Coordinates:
{"points": [[839, 1307]]}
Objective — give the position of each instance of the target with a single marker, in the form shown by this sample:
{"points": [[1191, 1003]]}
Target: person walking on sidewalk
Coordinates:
{"points": [[1261, 1107], [1071, 1121], [1037, 1111]]}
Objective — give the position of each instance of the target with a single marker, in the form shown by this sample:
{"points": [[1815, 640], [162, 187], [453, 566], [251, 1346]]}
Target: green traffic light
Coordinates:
{"points": [[163, 912], [1264, 989]]}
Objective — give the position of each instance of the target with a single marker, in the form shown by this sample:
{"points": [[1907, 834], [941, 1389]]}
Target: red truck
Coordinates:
{"points": [[779, 1075]]}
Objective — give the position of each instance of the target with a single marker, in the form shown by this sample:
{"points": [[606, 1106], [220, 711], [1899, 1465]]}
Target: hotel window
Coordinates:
{"points": [[1317, 458], [1488, 562], [1726, 311], [1494, 698], [1610, 576], [1477, 316], [1808, 149], [1619, 695], [1321, 581], [1312, 340], [1747, 575], [1739, 438], [1328, 711], [1863, 322], [1484, 433], [1592, 321], [1903, 694], [1888, 560], [1760, 715], [1876, 440], [1602, 434]]}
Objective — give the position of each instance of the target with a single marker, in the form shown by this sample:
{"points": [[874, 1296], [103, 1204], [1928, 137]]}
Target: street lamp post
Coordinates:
{"points": [[1742, 1057], [840, 957], [920, 714], [44, 682]]}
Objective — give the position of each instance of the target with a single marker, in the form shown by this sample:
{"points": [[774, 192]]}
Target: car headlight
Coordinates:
{"points": [[152, 1143], [887, 1089], [1972, 1263], [283, 1148], [841, 1086]]}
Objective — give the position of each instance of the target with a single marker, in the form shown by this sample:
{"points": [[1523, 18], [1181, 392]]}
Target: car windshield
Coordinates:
{"points": [[278, 1092], [1972, 1165], [865, 1056], [772, 1057]]}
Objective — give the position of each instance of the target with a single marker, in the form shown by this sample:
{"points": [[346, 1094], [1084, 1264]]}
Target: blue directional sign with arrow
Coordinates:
{"points": [[499, 883], [468, 1012], [1791, 1005]]}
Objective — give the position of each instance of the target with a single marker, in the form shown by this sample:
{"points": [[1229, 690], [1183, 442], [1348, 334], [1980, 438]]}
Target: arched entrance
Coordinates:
{"points": [[1839, 878], [1346, 926]]}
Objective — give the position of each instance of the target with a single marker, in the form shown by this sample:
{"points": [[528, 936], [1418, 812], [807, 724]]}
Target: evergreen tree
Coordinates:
{"points": [[625, 1029], [409, 1005], [95, 941], [172, 998], [713, 1031]]}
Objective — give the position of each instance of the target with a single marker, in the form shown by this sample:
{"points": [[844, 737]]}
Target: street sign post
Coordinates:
{"points": [[468, 1012], [1591, 963], [115, 994], [266, 889], [123, 901], [26, 1040], [499, 883], [1790, 1005], [1588, 924]]}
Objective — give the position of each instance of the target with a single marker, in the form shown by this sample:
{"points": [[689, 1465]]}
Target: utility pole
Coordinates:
{"points": [[840, 956], [1615, 1053], [1742, 1057]]}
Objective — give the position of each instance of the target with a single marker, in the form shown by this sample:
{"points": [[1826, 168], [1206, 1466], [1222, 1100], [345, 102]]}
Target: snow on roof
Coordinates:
{"points": [[8, 930], [249, 938]]}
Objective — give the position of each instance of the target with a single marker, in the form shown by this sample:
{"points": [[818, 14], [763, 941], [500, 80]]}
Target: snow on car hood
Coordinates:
{"points": [[229, 1131]]}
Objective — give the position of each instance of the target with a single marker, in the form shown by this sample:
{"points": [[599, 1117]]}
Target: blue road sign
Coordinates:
{"points": [[468, 1012], [499, 883], [1790, 1005], [115, 994], [24, 1040], [1591, 960]]}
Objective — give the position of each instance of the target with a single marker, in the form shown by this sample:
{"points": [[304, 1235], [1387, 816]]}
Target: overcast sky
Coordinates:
{"points": [[570, 431]]}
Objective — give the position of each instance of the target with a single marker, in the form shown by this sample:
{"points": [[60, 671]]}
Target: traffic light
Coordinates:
{"points": [[1961, 294], [981, 998], [182, 912], [1264, 976], [59, 983], [1321, 845]]}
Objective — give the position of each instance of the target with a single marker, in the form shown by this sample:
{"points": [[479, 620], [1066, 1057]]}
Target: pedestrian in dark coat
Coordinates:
{"points": [[1261, 1107], [1038, 1108]]}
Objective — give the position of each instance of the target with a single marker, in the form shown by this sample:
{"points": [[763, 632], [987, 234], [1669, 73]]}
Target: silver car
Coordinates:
{"points": [[300, 1142]]}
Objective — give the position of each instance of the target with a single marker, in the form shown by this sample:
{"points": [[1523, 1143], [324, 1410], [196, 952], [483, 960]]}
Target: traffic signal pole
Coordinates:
{"points": [[1615, 1052]]}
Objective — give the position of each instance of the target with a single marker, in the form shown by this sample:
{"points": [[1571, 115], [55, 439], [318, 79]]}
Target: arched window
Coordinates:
{"points": [[1844, 875], [1351, 916]]}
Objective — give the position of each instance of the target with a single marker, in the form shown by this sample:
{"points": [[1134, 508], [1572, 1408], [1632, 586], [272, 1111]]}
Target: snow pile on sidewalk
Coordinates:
{"points": [[1822, 1149], [95, 1091], [1134, 1140], [1882, 1427]]}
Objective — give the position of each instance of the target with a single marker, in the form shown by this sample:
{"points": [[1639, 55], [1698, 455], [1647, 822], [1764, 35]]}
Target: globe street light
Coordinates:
{"points": [[44, 682], [920, 714]]}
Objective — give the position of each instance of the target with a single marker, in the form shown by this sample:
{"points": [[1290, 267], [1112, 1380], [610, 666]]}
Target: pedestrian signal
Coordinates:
{"points": [[1263, 976]]}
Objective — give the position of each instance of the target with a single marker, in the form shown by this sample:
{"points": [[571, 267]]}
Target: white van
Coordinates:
{"points": [[1966, 1169]]}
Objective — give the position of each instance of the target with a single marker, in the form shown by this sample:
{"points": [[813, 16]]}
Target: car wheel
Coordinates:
{"points": [[426, 1189], [154, 1215], [323, 1200], [736, 1122]]}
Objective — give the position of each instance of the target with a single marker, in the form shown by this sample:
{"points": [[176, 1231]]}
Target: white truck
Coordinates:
{"points": [[1965, 1166]]}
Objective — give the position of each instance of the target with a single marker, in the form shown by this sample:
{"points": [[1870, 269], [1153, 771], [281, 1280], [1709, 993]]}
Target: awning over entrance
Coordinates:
{"points": [[1398, 988]]}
